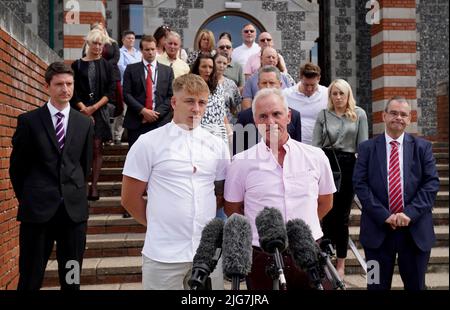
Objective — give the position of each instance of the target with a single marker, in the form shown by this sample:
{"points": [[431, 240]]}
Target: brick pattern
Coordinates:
{"points": [[21, 89], [394, 24], [85, 18], [387, 46]]}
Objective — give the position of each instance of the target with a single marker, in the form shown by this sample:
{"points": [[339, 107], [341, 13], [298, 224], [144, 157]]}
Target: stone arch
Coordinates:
{"points": [[293, 24]]}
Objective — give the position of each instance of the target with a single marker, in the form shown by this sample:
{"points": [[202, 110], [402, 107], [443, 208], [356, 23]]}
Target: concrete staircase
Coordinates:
{"points": [[113, 259]]}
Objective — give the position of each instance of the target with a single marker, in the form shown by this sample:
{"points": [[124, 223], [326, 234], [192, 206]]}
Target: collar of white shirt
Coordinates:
{"points": [[54, 110], [389, 139]]}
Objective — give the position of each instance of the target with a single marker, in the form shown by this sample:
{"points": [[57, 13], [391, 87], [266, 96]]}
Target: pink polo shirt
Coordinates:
{"points": [[256, 178]]}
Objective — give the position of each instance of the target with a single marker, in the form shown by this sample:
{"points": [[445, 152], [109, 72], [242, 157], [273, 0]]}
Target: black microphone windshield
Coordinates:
{"points": [[237, 246], [302, 245], [211, 240], [271, 230]]}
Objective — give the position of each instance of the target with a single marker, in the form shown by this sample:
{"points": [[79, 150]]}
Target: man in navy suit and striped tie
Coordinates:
{"points": [[396, 181]]}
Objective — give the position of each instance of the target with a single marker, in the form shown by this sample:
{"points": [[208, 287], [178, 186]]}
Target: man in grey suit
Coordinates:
{"points": [[147, 90], [49, 165]]}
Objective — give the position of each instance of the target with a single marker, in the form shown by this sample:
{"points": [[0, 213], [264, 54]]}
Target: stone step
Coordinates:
{"points": [[442, 170], [439, 261], [130, 244], [441, 200], [113, 223], [440, 216], [441, 231], [111, 174], [110, 270], [443, 186], [111, 205], [113, 272], [121, 149], [113, 161], [433, 281], [108, 189], [441, 158], [106, 205]]}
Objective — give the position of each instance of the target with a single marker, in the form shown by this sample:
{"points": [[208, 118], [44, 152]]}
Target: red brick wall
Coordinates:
{"points": [[21, 89]]}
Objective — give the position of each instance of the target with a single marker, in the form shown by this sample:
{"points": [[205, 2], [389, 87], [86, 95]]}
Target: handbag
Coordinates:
{"points": [[331, 154]]}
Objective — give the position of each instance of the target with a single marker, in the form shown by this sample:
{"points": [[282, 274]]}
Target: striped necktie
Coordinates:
{"points": [[395, 185], [60, 135]]}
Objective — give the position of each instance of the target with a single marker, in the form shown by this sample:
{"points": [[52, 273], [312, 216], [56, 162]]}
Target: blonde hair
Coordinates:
{"points": [[345, 87], [210, 35], [191, 83], [101, 27]]}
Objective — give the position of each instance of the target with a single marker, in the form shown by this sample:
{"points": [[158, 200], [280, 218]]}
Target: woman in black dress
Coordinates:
{"points": [[94, 88]]}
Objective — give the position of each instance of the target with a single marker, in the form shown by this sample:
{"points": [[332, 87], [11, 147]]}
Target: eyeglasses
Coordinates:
{"points": [[396, 114], [249, 31], [265, 40], [222, 47]]}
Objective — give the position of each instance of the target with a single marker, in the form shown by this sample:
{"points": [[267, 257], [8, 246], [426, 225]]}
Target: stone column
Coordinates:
{"points": [[78, 16], [393, 42]]}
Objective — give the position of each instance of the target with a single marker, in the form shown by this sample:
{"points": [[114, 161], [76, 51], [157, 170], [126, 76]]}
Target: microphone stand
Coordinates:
{"points": [[200, 279], [276, 272], [328, 267], [279, 265]]}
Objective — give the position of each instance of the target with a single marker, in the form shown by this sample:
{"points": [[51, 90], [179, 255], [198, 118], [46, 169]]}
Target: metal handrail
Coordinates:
{"points": [[352, 245]]}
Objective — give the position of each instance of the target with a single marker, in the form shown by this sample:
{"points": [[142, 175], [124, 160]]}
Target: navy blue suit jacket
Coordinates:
{"points": [[420, 181], [134, 94], [246, 117]]}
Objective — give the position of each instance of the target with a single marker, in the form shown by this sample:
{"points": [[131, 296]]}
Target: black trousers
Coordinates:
{"points": [[36, 242], [335, 223]]}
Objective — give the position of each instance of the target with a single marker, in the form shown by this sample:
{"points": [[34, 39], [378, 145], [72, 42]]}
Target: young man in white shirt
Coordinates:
{"points": [[307, 97], [182, 168]]}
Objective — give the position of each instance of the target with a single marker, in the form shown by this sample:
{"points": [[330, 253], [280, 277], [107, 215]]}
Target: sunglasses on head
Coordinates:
{"points": [[249, 31]]}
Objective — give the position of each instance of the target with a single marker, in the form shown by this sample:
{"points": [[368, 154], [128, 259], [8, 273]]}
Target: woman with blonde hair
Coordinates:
{"points": [[204, 44], [94, 88], [111, 53], [341, 127]]}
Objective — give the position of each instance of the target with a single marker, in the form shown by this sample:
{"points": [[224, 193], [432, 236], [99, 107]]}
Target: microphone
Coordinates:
{"points": [[207, 255], [304, 250], [237, 249], [273, 239]]}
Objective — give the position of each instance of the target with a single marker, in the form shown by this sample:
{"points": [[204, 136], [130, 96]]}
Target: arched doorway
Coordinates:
{"points": [[231, 22]]}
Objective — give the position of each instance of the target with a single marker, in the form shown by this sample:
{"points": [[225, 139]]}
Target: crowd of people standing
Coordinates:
{"points": [[186, 114]]}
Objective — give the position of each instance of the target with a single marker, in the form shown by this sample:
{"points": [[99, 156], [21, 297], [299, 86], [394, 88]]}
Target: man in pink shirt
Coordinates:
{"points": [[282, 173], [254, 61]]}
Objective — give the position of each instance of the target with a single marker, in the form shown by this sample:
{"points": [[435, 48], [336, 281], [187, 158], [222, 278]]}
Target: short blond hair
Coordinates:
{"points": [[191, 83], [96, 35]]}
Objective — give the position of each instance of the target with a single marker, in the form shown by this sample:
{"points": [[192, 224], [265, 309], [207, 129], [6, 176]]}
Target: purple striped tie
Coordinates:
{"points": [[60, 137], [395, 185]]}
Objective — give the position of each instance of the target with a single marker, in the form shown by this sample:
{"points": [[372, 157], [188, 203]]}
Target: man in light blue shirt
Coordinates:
{"points": [[128, 55]]}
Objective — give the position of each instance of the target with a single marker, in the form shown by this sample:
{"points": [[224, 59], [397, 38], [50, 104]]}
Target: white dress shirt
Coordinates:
{"points": [[400, 156], [180, 167], [65, 112], [309, 107]]}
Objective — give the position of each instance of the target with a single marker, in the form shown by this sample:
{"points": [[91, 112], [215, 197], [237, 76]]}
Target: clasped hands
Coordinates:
{"points": [[398, 220], [149, 116]]}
